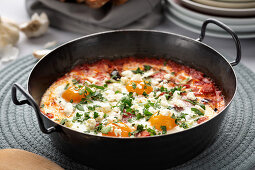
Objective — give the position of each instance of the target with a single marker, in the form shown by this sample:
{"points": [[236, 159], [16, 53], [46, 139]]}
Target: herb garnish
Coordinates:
{"points": [[95, 115], [147, 67], [179, 120], [92, 108], [117, 92], [67, 85], [145, 94], [133, 85], [163, 128], [194, 102], [75, 81], [198, 112], [79, 107], [138, 71], [96, 86]]}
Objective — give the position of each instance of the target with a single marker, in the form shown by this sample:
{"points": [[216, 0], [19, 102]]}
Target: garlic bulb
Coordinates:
{"points": [[37, 26], [9, 32]]}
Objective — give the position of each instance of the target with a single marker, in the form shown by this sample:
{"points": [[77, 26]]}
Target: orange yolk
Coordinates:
{"points": [[124, 130], [72, 94], [139, 87], [158, 120]]}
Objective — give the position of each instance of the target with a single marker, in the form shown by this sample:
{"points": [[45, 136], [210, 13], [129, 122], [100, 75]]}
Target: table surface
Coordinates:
{"points": [[15, 9]]}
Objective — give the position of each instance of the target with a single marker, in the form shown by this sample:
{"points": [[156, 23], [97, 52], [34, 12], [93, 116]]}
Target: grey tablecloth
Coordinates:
{"points": [[82, 19]]}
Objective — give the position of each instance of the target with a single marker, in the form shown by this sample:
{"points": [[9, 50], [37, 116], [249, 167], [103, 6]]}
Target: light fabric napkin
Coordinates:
{"points": [[140, 14]]}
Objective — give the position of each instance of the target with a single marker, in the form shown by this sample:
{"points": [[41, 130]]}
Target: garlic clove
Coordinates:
{"points": [[37, 26], [9, 32], [40, 53]]}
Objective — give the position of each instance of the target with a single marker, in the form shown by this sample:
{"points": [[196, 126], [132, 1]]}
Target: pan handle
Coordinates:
{"points": [[30, 101], [229, 30]]}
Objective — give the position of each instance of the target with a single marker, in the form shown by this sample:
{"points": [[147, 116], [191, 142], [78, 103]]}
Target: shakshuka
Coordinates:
{"points": [[132, 97]]}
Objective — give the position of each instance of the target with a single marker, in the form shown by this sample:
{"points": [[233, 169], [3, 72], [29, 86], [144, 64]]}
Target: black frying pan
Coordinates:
{"points": [[147, 152]]}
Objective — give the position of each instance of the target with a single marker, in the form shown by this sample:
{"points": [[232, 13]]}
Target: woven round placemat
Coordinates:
{"points": [[234, 147]]}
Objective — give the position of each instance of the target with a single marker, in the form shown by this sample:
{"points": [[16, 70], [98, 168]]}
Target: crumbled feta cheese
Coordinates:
{"points": [[68, 109], [168, 76], [148, 73], [124, 80], [115, 87], [136, 77], [140, 99], [137, 107], [164, 103], [191, 96], [178, 103], [176, 95], [165, 112], [152, 110], [109, 95], [91, 124], [209, 111], [139, 86], [117, 132], [92, 80], [127, 73], [105, 108], [155, 82], [116, 109]]}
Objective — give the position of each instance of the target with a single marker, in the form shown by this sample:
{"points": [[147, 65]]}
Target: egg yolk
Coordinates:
{"points": [[139, 87], [157, 120], [71, 94], [125, 130]]}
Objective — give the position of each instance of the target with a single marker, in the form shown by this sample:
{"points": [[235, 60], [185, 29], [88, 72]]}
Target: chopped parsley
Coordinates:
{"points": [[138, 71], [179, 119], [133, 85], [139, 116], [201, 105], [145, 94], [184, 125], [147, 113], [194, 102], [67, 85], [147, 83], [78, 117], [99, 128], [147, 67], [116, 92], [79, 107], [139, 129], [74, 81], [97, 87], [92, 108], [163, 128], [96, 115], [125, 102], [198, 112], [151, 131]]}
